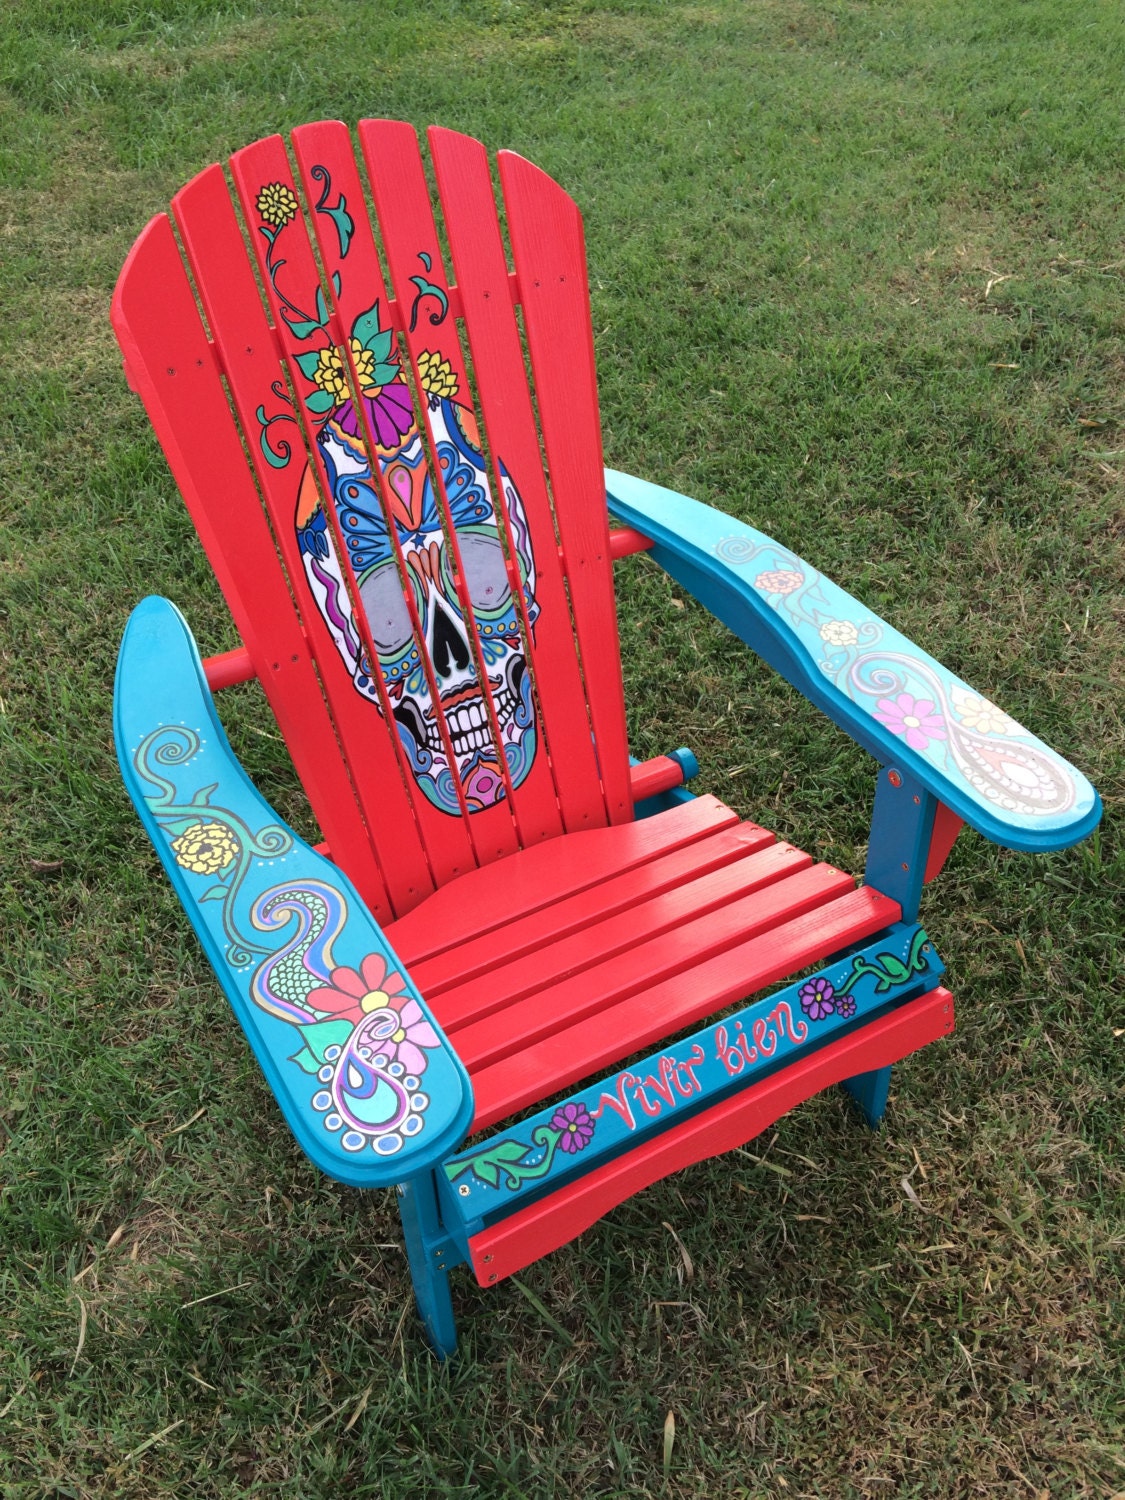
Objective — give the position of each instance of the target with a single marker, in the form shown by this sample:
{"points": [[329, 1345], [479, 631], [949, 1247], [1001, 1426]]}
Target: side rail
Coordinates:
{"points": [[493, 1179], [367, 1082], [892, 698]]}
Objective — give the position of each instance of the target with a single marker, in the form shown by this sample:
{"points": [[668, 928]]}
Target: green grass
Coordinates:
{"points": [[798, 215]]}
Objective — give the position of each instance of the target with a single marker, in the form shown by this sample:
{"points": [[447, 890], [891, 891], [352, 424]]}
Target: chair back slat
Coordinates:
{"points": [[481, 271], [212, 238], [493, 598], [347, 496], [170, 364], [442, 526], [548, 247], [477, 672]]}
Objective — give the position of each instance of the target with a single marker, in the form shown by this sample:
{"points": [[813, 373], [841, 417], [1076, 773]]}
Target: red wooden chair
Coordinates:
{"points": [[419, 565]]}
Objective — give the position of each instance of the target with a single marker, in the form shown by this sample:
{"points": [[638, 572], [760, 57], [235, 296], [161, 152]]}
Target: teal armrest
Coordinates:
{"points": [[371, 1089], [893, 699]]}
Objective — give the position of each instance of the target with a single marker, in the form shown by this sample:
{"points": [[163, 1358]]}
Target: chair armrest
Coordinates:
{"points": [[371, 1089], [893, 699]]}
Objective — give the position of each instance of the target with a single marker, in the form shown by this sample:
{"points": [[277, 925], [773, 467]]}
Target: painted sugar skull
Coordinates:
{"points": [[430, 576]]}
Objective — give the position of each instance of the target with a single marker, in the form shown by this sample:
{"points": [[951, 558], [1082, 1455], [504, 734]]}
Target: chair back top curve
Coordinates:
{"points": [[397, 477]]}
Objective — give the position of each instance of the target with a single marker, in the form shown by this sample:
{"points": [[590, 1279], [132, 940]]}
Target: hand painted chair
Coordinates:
{"points": [[504, 908]]}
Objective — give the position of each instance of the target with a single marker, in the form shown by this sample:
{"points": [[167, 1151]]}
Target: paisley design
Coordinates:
{"points": [[958, 732], [367, 1095]]}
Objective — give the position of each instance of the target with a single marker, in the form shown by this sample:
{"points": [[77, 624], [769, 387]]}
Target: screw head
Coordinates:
{"points": [[464, 1190], [894, 778]]}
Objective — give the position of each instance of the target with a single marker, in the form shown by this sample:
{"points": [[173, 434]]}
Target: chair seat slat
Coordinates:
{"points": [[620, 893], [648, 961], [535, 878], [661, 1009]]}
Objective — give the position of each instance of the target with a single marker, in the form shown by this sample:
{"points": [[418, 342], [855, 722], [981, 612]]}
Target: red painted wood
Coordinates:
{"points": [[947, 825], [244, 341], [660, 774], [545, 229], [172, 367], [446, 839], [228, 668], [328, 144], [553, 971], [575, 914], [515, 1242], [593, 993], [559, 1060], [624, 541], [489, 897], [465, 184]]}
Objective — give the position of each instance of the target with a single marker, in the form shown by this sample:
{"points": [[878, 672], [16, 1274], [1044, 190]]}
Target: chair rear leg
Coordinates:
{"points": [[421, 1227], [869, 1090]]}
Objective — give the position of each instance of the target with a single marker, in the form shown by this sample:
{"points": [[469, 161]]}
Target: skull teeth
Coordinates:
{"points": [[468, 725]]}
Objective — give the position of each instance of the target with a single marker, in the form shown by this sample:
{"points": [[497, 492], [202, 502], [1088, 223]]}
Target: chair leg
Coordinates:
{"points": [[421, 1227], [869, 1090]]}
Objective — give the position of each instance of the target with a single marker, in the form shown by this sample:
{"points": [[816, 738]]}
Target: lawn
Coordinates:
{"points": [[858, 277]]}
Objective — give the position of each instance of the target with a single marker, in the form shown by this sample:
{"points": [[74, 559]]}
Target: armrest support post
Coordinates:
{"points": [[901, 826]]}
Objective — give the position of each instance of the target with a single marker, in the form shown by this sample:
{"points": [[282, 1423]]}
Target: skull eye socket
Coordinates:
{"points": [[485, 572], [386, 611]]}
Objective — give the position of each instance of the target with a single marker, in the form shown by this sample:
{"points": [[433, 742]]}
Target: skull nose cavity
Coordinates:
{"points": [[449, 650]]}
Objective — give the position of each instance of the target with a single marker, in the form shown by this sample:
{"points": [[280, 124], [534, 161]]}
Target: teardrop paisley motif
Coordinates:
{"points": [[366, 1094]]}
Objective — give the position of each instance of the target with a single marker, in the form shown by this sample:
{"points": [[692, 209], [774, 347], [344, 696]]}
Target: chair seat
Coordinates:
{"points": [[560, 960]]}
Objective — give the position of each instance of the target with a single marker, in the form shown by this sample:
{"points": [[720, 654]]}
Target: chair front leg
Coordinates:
{"points": [[428, 1250]]}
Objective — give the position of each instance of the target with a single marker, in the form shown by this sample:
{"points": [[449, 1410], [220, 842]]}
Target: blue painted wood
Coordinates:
{"points": [[893, 699], [567, 1140], [899, 841], [368, 1084], [870, 1090], [430, 1253]]}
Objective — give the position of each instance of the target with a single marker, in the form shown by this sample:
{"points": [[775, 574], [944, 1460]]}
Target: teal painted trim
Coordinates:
{"points": [[569, 1140], [894, 700], [430, 1253], [899, 842], [870, 1092], [370, 1088], [649, 807]]}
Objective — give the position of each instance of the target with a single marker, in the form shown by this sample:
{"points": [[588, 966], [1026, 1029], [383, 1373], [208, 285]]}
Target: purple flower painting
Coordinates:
{"points": [[575, 1127], [818, 998]]}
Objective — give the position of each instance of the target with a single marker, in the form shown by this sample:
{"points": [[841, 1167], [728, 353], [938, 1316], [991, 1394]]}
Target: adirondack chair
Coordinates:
{"points": [[506, 911]]}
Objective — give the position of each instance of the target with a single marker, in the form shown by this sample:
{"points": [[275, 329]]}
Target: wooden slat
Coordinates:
{"points": [[597, 990], [666, 1007], [515, 1242], [465, 185], [676, 916], [216, 251], [329, 172], [548, 247], [578, 913], [445, 837], [406, 224], [171, 366], [489, 897]]}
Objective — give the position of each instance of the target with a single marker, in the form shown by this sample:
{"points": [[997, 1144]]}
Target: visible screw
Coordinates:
{"points": [[894, 778], [493, 1276], [917, 802], [487, 1259], [905, 866], [464, 1190]]}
